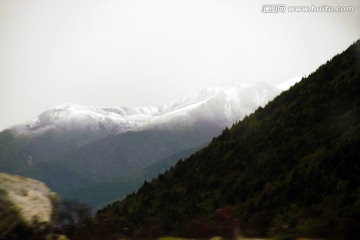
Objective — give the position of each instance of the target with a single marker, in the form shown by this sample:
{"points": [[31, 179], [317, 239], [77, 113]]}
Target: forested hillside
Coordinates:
{"points": [[290, 169]]}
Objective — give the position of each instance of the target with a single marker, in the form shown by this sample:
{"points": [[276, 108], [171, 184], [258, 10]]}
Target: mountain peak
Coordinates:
{"points": [[221, 105]]}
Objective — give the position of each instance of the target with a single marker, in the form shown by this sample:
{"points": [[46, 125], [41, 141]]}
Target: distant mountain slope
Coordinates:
{"points": [[102, 193], [290, 169], [72, 146], [106, 158], [131, 151]]}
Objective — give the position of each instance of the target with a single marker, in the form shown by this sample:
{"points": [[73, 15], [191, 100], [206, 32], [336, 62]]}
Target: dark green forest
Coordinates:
{"points": [[291, 169]]}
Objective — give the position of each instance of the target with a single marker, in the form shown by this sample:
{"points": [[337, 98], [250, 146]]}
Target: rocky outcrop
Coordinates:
{"points": [[24, 201]]}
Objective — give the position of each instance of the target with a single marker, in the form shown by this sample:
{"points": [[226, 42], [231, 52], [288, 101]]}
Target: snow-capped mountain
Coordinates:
{"points": [[217, 105], [71, 146]]}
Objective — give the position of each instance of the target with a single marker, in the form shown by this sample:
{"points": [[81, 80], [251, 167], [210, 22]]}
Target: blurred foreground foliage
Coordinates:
{"points": [[66, 216]]}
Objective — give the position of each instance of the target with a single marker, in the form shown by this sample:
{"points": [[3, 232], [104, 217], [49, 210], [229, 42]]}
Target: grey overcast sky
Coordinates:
{"points": [[149, 52]]}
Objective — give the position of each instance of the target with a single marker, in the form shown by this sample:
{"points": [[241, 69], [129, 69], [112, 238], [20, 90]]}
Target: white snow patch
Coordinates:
{"points": [[289, 83], [223, 105]]}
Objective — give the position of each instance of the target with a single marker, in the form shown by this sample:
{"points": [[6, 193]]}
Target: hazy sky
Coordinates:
{"points": [[149, 52]]}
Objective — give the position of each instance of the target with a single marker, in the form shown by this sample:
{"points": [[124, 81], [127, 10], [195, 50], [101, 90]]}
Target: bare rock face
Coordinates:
{"points": [[24, 201]]}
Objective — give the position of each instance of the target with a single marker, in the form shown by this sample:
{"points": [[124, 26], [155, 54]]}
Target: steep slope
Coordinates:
{"points": [[289, 168]]}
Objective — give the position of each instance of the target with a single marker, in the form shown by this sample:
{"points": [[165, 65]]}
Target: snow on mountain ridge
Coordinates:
{"points": [[221, 105], [289, 83]]}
